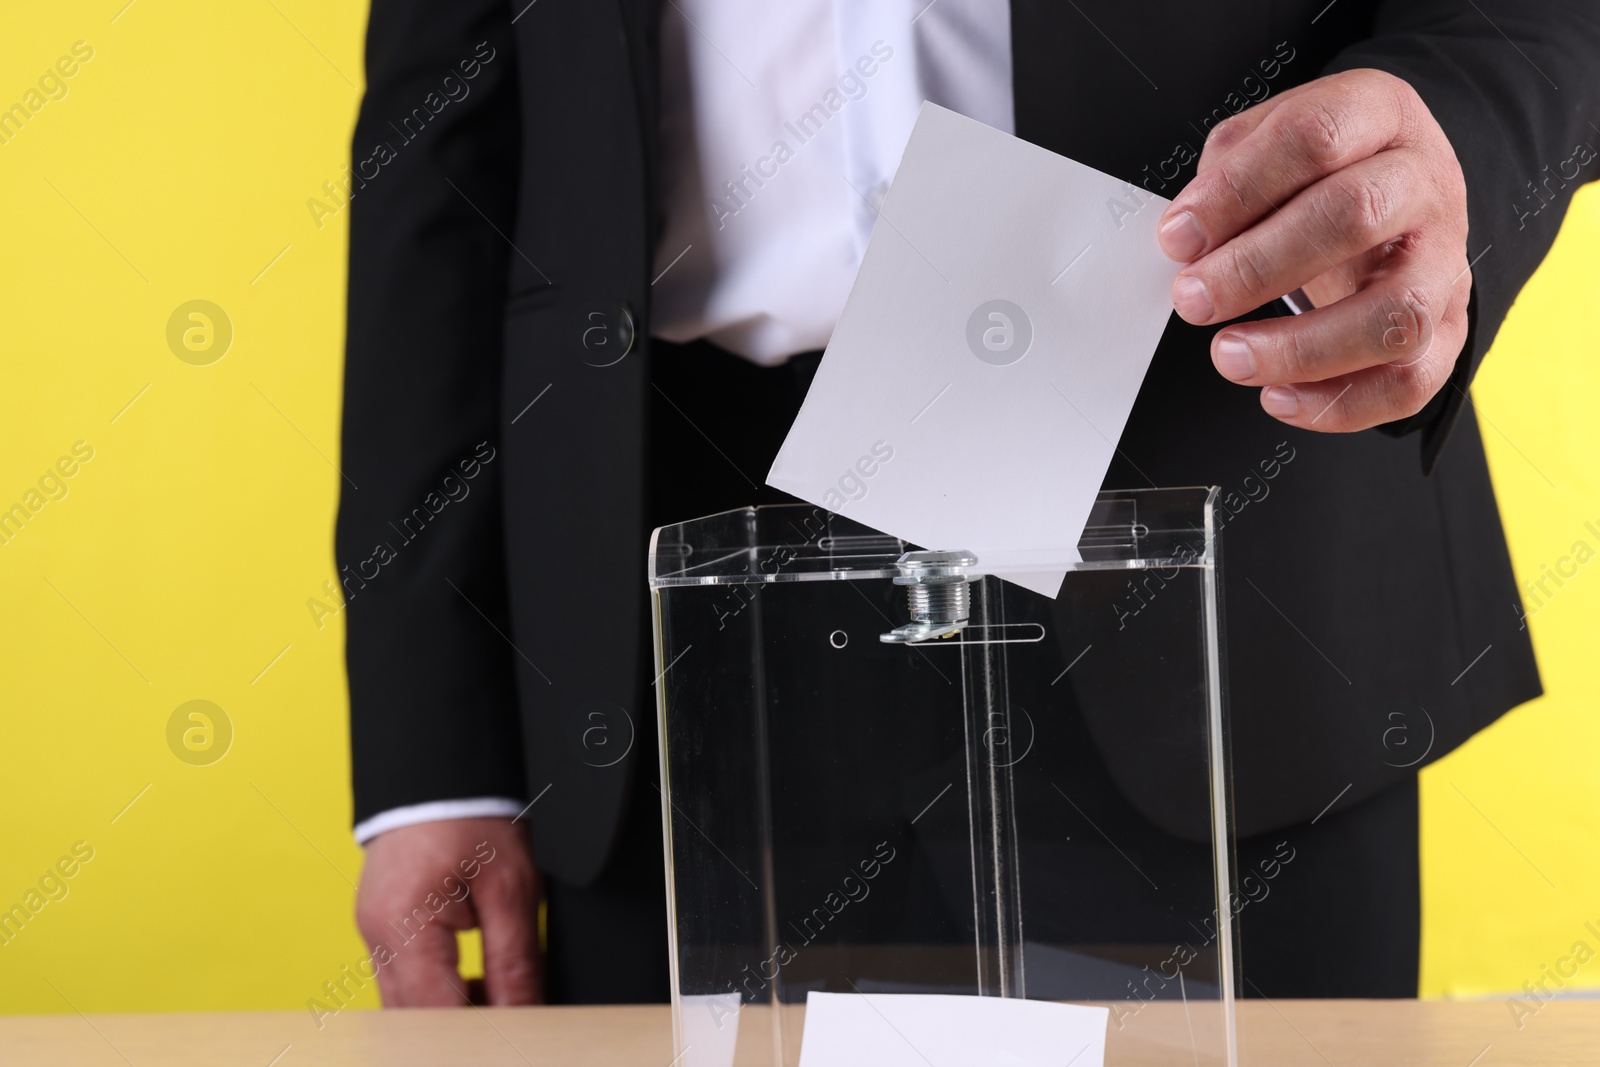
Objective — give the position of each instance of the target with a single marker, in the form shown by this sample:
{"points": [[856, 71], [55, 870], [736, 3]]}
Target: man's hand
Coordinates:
{"points": [[1345, 187], [444, 876]]}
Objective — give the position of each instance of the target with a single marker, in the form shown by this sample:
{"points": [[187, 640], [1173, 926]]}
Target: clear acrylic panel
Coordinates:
{"points": [[1035, 806]]}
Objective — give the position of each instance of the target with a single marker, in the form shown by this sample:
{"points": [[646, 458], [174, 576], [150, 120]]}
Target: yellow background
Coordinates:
{"points": [[179, 564]]}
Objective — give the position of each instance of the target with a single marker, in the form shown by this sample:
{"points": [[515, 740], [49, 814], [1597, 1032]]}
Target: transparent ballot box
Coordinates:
{"points": [[1034, 804]]}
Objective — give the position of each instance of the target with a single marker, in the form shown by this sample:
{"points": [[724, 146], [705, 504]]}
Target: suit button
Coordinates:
{"points": [[608, 336]]}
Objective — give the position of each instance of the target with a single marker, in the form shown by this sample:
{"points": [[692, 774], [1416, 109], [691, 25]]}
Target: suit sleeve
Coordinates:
{"points": [[1513, 84], [418, 541]]}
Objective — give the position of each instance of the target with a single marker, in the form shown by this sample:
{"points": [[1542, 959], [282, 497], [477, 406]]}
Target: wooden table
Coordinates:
{"points": [[1280, 1034]]}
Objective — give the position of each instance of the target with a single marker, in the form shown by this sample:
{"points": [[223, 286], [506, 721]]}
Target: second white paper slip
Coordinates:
{"points": [[980, 375], [919, 1030]]}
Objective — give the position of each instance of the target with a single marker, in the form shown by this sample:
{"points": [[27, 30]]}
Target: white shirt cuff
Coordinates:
{"points": [[434, 810]]}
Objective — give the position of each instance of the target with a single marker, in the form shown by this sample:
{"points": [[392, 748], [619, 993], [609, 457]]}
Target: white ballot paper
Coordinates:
{"points": [[923, 1029], [989, 353]]}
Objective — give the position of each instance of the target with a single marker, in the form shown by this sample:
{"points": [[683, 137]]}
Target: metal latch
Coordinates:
{"points": [[937, 595]]}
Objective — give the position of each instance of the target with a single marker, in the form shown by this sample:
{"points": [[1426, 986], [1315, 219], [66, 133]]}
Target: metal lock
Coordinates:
{"points": [[938, 595]]}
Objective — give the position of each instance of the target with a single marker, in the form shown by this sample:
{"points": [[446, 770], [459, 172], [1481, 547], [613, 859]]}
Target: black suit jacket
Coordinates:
{"points": [[495, 229]]}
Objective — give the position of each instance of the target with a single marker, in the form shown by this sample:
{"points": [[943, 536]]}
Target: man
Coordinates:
{"points": [[569, 298]]}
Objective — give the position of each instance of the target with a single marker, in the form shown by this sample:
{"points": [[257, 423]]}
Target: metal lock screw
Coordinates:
{"points": [[937, 595]]}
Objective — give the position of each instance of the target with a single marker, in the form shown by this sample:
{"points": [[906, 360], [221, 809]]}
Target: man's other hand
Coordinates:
{"points": [[422, 883], [1347, 188]]}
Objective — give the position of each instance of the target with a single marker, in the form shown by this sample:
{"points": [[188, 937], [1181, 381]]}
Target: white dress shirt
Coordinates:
{"points": [[781, 126]]}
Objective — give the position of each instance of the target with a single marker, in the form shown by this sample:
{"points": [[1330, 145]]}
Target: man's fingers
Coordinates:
{"points": [[414, 950], [1345, 404], [1403, 351], [1405, 319], [506, 906], [1302, 139], [423, 883], [1321, 228], [1229, 132], [421, 973], [1345, 185]]}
